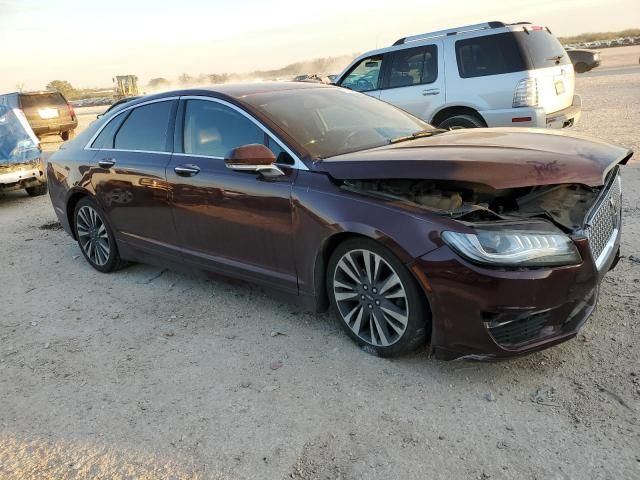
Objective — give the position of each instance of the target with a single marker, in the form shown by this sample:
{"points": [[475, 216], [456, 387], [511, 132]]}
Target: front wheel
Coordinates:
{"points": [[379, 303], [95, 237], [37, 191]]}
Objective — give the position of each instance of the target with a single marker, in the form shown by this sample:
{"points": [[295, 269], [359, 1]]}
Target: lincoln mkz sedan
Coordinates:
{"points": [[487, 242]]}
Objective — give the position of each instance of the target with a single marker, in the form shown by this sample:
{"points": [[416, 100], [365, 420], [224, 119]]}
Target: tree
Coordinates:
{"points": [[159, 83], [62, 86]]}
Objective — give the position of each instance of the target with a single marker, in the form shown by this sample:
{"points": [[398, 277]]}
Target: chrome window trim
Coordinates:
{"points": [[126, 109], [297, 163]]}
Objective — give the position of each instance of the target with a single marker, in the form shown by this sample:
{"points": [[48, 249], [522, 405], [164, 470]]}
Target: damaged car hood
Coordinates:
{"points": [[497, 157]]}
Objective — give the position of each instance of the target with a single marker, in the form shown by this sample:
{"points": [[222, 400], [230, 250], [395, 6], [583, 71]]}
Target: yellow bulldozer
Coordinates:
{"points": [[125, 86]]}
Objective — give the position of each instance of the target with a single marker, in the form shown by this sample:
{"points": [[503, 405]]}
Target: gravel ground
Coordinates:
{"points": [[148, 373]]}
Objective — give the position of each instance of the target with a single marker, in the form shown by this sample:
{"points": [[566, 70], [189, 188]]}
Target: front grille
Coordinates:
{"points": [[520, 331], [604, 221]]}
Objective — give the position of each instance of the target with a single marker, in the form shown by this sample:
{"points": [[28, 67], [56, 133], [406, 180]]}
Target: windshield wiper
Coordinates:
{"points": [[418, 134]]}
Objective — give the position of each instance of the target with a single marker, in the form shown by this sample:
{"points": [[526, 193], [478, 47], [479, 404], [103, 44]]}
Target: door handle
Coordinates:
{"points": [[107, 162], [187, 170], [431, 91]]}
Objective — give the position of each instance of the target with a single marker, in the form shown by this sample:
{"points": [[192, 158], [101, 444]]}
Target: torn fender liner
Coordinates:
{"points": [[497, 157]]}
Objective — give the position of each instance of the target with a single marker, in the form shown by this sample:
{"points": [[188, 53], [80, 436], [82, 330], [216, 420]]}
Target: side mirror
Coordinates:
{"points": [[253, 158]]}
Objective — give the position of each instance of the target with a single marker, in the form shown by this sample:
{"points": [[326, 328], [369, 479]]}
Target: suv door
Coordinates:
{"points": [[364, 76], [230, 222], [414, 80], [129, 178]]}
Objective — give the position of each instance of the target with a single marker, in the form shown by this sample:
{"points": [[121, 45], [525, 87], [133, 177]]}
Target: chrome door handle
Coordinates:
{"points": [[107, 162], [187, 170], [431, 91]]}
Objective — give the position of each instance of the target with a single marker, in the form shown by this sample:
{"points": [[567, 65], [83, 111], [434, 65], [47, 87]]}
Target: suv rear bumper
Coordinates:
{"points": [[534, 117], [54, 129]]}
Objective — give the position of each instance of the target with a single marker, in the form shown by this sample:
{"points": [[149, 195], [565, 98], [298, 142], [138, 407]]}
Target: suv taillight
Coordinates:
{"points": [[526, 94], [72, 111]]}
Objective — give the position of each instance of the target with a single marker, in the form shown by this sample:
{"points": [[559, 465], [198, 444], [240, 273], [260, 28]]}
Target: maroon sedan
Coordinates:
{"points": [[490, 242]]}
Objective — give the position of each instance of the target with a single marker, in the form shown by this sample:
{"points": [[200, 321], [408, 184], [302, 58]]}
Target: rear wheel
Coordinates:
{"points": [[462, 121], [37, 191], [95, 237], [67, 135], [581, 67], [377, 300]]}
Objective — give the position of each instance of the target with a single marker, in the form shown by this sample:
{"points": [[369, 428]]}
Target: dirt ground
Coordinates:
{"points": [[147, 373]]}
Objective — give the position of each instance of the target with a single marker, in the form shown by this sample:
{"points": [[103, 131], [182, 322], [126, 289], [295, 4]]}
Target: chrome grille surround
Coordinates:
{"points": [[604, 220]]}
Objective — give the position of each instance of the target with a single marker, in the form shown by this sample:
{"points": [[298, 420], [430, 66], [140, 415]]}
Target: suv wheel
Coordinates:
{"points": [[67, 135], [95, 237], [581, 67], [462, 121], [379, 304], [37, 191]]}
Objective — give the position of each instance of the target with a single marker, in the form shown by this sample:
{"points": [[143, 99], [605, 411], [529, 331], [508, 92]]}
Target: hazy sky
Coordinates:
{"points": [[87, 42]]}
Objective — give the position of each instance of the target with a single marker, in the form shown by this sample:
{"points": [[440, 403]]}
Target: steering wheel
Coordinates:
{"points": [[363, 84]]}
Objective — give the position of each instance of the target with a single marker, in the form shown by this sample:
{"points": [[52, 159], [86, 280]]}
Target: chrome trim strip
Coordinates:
{"points": [[606, 251], [133, 151], [297, 163], [125, 109], [197, 156]]}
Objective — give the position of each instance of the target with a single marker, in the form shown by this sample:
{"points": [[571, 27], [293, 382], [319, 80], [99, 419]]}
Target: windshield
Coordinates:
{"points": [[17, 144], [333, 121]]}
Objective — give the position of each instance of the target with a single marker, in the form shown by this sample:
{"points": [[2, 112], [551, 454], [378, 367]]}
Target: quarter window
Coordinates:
{"points": [[489, 55], [364, 76], [105, 138], [414, 66], [213, 129], [146, 128]]}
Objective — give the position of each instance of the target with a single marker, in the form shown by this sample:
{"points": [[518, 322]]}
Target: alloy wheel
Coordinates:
{"points": [[370, 297], [92, 235]]}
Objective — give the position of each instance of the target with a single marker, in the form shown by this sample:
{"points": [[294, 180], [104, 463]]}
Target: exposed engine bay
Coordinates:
{"points": [[567, 205]]}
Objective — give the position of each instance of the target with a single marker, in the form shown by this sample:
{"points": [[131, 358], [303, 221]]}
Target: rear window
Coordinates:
{"points": [[42, 100], [542, 49], [489, 55]]}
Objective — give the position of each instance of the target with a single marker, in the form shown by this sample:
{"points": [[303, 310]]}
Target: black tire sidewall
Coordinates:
{"points": [[464, 121], [581, 67], [114, 259], [419, 322], [37, 191]]}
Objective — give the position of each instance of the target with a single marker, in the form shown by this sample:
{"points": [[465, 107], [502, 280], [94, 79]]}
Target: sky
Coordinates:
{"points": [[87, 42]]}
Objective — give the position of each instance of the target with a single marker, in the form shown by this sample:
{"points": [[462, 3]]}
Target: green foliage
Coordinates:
{"points": [[62, 86]]}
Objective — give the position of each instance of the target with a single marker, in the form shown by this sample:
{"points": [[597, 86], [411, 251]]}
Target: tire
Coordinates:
{"points": [[97, 244], [37, 191], [388, 316], [581, 67], [462, 121], [67, 135]]}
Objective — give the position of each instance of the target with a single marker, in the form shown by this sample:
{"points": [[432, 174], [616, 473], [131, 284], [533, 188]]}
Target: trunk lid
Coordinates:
{"points": [[497, 157]]}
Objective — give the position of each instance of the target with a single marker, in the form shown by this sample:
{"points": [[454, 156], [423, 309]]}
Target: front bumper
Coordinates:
{"points": [[485, 313], [534, 117]]}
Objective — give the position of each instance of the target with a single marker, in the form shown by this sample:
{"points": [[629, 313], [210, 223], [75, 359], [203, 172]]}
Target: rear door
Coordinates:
{"points": [[129, 176], [414, 80], [550, 64], [365, 76]]}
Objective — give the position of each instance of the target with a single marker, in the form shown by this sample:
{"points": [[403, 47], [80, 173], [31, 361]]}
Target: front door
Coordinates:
{"points": [[414, 80], [236, 223], [129, 176]]}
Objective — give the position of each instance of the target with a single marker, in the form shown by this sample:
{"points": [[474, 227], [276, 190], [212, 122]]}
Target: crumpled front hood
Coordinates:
{"points": [[497, 157]]}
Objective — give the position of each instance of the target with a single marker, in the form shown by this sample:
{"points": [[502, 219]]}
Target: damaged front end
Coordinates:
{"points": [[21, 163]]}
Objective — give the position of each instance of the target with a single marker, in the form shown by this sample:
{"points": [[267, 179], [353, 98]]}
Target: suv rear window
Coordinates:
{"points": [[543, 49], [489, 55], [42, 100]]}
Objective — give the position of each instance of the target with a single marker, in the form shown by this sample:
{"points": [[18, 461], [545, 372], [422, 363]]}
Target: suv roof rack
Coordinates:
{"points": [[452, 31]]}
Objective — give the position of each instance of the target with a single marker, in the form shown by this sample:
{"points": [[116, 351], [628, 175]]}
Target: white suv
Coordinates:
{"points": [[490, 74]]}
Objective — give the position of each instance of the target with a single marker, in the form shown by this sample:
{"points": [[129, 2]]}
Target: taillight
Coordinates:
{"points": [[526, 94], [72, 111]]}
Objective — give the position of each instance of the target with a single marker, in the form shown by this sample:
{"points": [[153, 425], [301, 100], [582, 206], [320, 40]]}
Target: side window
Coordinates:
{"points": [[213, 129], [105, 138], [489, 55], [414, 66], [281, 154], [146, 128], [364, 76]]}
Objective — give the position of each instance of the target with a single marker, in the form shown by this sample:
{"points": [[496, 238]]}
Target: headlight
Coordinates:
{"points": [[515, 246]]}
